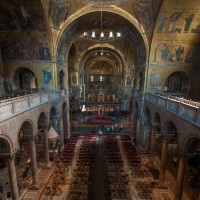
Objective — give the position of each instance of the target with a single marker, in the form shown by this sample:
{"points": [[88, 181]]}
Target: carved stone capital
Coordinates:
{"points": [[11, 156], [34, 137]]}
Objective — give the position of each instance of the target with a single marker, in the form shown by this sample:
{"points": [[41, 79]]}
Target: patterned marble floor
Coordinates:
{"points": [[44, 175]]}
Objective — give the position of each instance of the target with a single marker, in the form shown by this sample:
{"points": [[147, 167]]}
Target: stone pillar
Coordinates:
{"points": [[153, 138], [46, 147], [84, 97], [83, 78], [144, 135], [68, 119], [131, 131], [57, 127], [134, 125], [163, 160], [54, 122], [135, 129], [61, 131], [36, 182], [152, 148], [65, 124], [137, 132], [180, 178], [13, 178]]}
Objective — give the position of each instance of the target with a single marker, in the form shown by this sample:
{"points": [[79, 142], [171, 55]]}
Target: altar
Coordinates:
{"points": [[101, 97]]}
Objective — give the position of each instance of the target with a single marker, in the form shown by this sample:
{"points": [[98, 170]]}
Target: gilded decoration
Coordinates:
{"points": [[105, 2]]}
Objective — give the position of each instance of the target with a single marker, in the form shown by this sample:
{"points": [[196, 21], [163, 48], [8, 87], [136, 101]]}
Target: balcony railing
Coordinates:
{"points": [[14, 106], [95, 103], [187, 109]]}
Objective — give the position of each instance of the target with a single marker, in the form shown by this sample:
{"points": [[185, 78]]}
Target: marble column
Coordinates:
{"points": [[46, 148], [163, 160], [36, 182], [180, 178], [13, 178]]}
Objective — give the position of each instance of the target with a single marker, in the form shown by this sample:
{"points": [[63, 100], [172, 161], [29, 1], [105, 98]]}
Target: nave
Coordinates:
{"points": [[101, 168]]}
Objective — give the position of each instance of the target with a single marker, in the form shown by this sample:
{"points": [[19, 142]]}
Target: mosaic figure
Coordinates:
{"points": [[172, 21], [74, 79], [59, 11], [128, 80], [161, 25], [188, 21], [61, 54], [164, 52], [179, 53], [144, 13], [154, 78], [44, 52], [47, 75]]}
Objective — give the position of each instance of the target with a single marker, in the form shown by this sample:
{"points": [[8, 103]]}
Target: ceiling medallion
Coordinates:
{"points": [[105, 2]]}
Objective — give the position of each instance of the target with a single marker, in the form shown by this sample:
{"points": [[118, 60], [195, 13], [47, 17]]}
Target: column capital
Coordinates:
{"points": [[44, 127], [34, 138], [12, 155]]}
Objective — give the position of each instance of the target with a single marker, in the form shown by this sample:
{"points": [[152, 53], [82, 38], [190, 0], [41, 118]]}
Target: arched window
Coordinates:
{"points": [[177, 82]]}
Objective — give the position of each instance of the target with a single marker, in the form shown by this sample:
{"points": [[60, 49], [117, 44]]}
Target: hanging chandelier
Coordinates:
{"points": [[101, 36], [101, 31]]}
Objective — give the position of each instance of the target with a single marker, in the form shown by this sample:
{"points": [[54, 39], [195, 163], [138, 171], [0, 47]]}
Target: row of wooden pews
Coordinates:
{"points": [[81, 187], [118, 180], [61, 169], [143, 188]]}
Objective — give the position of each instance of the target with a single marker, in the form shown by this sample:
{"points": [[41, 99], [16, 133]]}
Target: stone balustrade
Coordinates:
{"points": [[14, 106], [186, 109]]}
